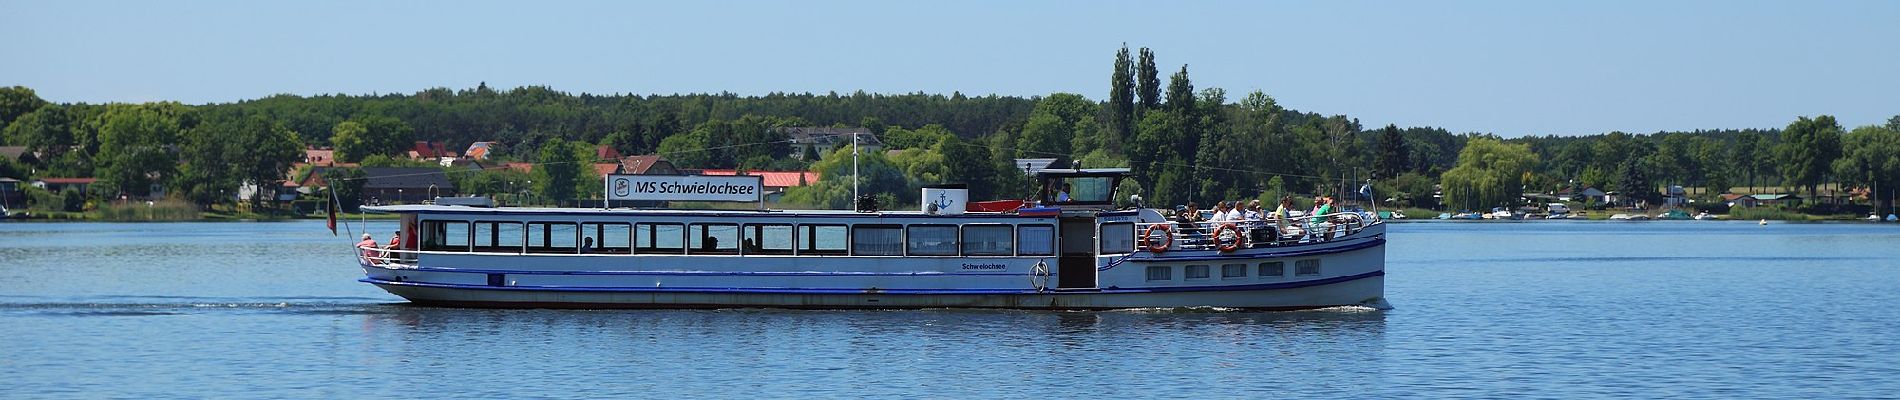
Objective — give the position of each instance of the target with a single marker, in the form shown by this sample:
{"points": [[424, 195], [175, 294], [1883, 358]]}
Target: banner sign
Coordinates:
{"points": [[685, 187]]}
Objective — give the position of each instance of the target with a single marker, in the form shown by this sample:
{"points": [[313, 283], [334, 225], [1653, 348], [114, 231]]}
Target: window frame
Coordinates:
{"points": [[599, 230], [807, 242], [1299, 267], [1167, 270], [1050, 252], [902, 242], [1226, 268], [1102, 237], [430, 237], [1261, 270], [963, 240], [705, 231], [1187, 273], [955, 246], [746, 232], [547, 238], [495, 236], [653, 237]]}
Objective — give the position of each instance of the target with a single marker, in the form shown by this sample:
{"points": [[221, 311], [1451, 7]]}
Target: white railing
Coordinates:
{"points": [[1253, 233], [379, 255]]}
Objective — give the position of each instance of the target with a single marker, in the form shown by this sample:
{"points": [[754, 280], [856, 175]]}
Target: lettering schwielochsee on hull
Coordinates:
{"points": [[1076, 252]]}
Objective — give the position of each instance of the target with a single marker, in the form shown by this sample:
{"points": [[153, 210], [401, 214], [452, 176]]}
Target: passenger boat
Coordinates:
{"points": [[1078, 253]]}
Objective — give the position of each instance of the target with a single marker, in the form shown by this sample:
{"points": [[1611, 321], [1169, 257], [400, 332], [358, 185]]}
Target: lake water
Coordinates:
{"points": [[1543, 309]]}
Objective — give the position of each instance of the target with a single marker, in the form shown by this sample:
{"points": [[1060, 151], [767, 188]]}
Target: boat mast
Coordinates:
{"points": [[854, 168]]}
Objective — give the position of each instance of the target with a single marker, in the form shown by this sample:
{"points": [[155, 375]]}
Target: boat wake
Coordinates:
{"points": [[159, 306]]}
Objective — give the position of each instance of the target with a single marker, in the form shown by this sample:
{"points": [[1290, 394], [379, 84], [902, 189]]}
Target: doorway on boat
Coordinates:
{"points": [[1076, 267]]}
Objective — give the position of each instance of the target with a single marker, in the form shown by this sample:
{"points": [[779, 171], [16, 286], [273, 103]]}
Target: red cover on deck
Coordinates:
{"points": [[995, 206]]}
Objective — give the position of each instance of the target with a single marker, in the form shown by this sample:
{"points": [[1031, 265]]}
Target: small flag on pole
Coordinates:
{"points": [[329, 207]]}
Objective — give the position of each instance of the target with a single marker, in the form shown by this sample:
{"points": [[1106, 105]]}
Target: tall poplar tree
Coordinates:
{"points": [[1121, 98], [1149, 85], [1392, 154]]}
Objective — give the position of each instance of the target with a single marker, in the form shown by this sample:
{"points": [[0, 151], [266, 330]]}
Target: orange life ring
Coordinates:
{"points": [[1157, 246], [1229, 246]]}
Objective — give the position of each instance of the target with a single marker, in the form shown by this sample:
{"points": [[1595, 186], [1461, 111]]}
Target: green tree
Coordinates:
{"points": [[1747, 157], [135, 146], [47, 130], [1635, 184], [1808, 150], [16, 101], [1054, 125], [558, 175], [1489, 173], [1121, 99], [1871, 156], [1392, 153], [1147, 84], [365, 136]]}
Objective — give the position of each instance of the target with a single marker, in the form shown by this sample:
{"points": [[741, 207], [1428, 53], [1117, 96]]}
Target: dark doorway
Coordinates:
{"points": [[1076, 268]]}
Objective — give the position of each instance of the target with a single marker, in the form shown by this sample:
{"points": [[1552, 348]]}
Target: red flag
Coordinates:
{"points": [[329, 206]]}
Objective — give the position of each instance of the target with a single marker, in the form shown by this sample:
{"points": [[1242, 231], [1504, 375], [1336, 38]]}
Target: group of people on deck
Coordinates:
{"points": [[1253, 218], [372, 251]]}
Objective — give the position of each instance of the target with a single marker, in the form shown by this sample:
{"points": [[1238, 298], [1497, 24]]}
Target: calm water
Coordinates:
{"points": [[1547, 309]]}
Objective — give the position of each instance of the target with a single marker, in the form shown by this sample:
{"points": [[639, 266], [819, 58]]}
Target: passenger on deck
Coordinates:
{"points": [[1281, 216], [1188, 217], [369, 248], [1063, 196], [1233, 212]]}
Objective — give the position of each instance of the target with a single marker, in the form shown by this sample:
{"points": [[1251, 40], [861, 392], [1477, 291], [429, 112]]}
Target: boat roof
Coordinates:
{"points": [[451, 209]]}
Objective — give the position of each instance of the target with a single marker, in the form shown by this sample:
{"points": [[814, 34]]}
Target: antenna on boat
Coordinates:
{"points": [[854, 167]]}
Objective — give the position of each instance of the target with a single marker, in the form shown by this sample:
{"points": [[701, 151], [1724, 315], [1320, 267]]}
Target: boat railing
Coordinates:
{"points": [[379, 255], [1257, 233]]}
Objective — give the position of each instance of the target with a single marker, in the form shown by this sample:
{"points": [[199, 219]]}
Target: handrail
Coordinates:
{"points": [[1266, 232]]}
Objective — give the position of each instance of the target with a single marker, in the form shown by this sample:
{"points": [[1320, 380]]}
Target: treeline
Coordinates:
{"points": [[1184, 144]]}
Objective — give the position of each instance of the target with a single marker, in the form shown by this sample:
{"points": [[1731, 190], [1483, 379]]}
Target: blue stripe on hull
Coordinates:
{"points": [[732, 290]]}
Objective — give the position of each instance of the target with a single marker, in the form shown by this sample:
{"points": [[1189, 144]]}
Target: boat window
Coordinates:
{"points": [[607, 238], [822, 240], [775, 239], [1197, 272], [553, 237], [933, 240], [877, 240], [1274, 269], [1230, 271], [1306, 267], [1092, 189], [1118, 238], [1035, 240], [657, 238], [444, 236], [498, 237], [712, 239], [989, 240], [1160, 272]]}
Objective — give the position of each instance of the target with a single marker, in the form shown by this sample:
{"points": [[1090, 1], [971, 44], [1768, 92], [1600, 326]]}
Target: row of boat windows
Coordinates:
{"points": [[735, 239], [1272, 269]]}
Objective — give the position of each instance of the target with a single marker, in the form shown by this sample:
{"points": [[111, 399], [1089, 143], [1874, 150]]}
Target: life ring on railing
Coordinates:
{"points": [[1157, 246], [1228, 229]]}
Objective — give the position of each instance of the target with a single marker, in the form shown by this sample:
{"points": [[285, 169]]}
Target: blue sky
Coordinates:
{"points": [[1511, 68]]}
